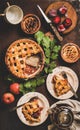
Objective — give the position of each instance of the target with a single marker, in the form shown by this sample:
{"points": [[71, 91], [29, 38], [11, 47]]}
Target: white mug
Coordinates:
{"points": [[13, 14]]}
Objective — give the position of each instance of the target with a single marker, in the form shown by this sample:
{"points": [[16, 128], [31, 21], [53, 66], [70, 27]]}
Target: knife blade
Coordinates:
{"points": [[60, 38]]}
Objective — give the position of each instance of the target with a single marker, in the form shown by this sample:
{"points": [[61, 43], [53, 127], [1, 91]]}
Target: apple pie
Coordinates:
{"points": [[25, 58], [70, 52], [61, 85], [30, 23], [32, 111]]}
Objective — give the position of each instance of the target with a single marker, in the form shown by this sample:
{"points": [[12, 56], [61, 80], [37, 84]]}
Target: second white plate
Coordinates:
{"points": [[43, 102], [72, 78]]}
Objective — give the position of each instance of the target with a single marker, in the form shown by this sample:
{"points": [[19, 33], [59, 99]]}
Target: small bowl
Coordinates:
{"points": [[30, 24], [70, 52]]}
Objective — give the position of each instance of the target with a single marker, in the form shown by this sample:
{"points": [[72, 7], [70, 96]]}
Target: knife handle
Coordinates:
{"points": [[60, 38]]}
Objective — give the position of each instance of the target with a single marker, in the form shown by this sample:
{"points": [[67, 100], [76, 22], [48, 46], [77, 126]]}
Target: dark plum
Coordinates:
{"points": [[62, 10], [52, 13], [67, 22], [61, 28], [56, 20]]}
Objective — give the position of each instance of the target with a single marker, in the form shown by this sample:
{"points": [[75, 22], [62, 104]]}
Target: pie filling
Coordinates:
{"points": [[32, 111], [24, 58]]}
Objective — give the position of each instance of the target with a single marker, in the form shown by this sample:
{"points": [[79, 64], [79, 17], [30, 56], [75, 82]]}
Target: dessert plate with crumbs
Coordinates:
{"points": [[34, 111], [60, 88]]}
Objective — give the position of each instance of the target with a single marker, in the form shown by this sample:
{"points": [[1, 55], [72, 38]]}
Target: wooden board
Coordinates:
{"points": [[71, 13]]}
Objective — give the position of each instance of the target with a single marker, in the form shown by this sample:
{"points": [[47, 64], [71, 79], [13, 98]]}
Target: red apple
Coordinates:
{"points": [[14, 88], [8, 98], [56, 19]]}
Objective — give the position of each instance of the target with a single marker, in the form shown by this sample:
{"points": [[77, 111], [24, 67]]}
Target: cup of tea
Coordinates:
{"points": [[62, 117], [13, 14]]}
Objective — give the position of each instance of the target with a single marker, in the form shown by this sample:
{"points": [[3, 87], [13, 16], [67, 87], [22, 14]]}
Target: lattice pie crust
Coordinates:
{"points": [[16, 56], [70, 52]]}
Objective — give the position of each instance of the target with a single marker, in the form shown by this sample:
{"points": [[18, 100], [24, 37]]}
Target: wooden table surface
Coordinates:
{"points": [[10, 33]]}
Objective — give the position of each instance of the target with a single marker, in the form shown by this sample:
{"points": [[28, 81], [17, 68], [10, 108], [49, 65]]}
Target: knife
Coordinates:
{"points": [[60, 38]]}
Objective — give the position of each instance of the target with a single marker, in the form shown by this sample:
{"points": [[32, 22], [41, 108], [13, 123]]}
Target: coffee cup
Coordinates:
{"points": [[13, 14], [62, 117]]}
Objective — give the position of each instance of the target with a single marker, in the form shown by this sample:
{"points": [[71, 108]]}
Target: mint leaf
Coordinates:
{"points": [[46, 42], [34, 83], [54, 56], [39, 36], [27, 84], [56, 49], [40, 81], [47, 60]]}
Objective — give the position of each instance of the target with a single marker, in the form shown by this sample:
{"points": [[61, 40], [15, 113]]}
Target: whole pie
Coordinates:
{"points": [[24, 58], [30, 23], [70, 52]]}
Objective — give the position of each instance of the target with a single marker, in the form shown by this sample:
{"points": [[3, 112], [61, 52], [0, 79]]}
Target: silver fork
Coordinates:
{"points": [[65, 77], [16, 107]]}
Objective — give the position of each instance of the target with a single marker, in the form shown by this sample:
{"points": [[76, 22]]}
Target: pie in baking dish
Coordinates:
{"points": [[24, 58], [70, 52]]}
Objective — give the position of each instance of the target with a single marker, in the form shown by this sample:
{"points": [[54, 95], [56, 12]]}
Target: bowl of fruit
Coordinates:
{"points": [[63, 16]]}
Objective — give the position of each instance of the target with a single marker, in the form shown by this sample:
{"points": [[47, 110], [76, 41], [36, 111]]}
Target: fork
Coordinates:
{"points": [[16, 107], [65, 77]]}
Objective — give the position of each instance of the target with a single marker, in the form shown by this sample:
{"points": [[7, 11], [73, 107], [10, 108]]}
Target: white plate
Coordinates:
{"points": [[75, 106], [42, 101], [72, 78]]}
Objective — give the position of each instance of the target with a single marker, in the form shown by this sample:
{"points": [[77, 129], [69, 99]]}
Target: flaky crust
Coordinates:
{"points": [[70, 52], [16, 55]]}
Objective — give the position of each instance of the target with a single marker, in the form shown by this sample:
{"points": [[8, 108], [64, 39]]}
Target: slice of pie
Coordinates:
{"points": [[61, 85], [25, 58], [32, 111]]}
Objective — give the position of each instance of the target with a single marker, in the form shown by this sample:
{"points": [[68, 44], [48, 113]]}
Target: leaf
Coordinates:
{"points": [[46, 42], [27, 84], [34, 83], [47, 60], [39, 36], [40, 81], [52, 44], [47, 53], [56, 49], [46, 69], [53, 65], [22, 89], [54, 56]]}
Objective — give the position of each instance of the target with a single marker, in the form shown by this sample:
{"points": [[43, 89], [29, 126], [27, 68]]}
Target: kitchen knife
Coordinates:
{"points": [[60, 38]]}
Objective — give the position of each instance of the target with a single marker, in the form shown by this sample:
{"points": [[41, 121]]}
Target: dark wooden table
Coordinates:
{"points": [[10, 33]]}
